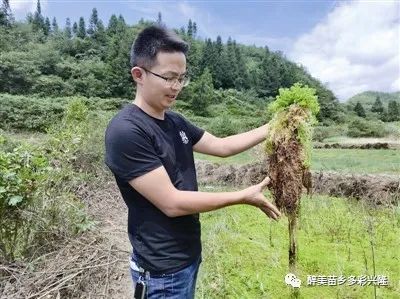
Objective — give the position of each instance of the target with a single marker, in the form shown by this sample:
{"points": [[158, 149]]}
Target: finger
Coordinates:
{"points": [[270, 213], [265, 182], [272, 208]]}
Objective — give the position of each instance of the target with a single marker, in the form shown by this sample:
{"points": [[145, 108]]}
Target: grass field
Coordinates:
{"points": [[245, 253], [341, 160]]}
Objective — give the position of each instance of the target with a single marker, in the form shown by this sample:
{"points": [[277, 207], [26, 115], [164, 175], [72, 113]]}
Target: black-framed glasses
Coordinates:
{"points": [[182, 80]]}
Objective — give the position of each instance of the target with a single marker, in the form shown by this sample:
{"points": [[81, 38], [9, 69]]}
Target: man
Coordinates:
{"points": [[150, 151]]}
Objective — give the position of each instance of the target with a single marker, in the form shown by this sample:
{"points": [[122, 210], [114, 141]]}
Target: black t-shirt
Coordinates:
{"points": [[137, 143]]}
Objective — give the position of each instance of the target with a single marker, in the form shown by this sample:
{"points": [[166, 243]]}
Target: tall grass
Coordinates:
{"points": [[245, 254]]}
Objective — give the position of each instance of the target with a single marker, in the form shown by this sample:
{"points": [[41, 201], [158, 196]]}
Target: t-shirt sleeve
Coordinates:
{"points": [[130, 153], [194, 132]]}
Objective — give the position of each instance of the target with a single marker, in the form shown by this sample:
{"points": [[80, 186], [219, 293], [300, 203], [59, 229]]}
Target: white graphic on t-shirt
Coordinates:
{"points": [[185, 140]]}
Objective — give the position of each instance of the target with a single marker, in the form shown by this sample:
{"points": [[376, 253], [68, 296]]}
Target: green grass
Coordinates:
{"points": [[239, 159], [341, 160], [245, 254], [356, 160]]}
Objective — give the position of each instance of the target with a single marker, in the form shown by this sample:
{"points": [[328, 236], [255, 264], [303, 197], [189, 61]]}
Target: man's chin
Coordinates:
{"points": [[169, 103]]}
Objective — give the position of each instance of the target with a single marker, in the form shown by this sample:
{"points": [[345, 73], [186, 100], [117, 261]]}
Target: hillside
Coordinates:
{"points": [[368, 98]]}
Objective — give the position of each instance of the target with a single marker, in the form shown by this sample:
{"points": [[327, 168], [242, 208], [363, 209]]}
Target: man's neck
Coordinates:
{"points": [[142, 104]]}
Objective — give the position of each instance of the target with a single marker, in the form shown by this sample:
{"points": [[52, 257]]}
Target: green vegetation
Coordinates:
{"points": [[376, 105], [357, 161], [341, 160], [244, 253], [59, 87], [37, 202], [35, 113], [91, 59], [368, 98]]}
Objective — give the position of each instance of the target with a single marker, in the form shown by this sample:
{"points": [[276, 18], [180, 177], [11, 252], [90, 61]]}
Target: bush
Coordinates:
{"points": [[36, 113], [226, 125], [37, 183], [322, 132], [363, 128]]}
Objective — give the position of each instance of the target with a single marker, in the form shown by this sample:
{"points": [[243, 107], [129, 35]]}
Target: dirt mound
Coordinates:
{"points": [[378, 189], [378, 145]]}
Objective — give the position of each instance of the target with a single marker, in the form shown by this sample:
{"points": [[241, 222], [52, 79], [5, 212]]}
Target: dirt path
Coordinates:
{"points": [[107, 207]]}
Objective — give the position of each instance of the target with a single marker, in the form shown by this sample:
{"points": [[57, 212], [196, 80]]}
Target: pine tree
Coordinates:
{"points": [[202, 91], [100, 34], [230, 65], [112, 27], [54, 25], [68, 30], [269, 77], [219, 64], [93, 21], [393, 113], [194, 29], [208, 58], [377, 106], [5, 13], [159, 18], [75, 28], [359, 110], [81, 28], [190, 29], [47, 27], [242, 77], [38, 20], [121, 23]]}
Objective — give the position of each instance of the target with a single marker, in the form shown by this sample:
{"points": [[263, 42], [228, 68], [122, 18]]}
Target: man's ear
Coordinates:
{"points": [[137, 74]]}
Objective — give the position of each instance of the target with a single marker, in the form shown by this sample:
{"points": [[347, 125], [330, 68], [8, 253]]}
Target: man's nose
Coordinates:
{"points": [[176, 86]]}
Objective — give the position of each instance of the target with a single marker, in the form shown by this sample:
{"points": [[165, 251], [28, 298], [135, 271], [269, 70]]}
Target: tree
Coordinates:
{"points": [[269, 77], [190, 29], [75, 28], [159, 18], [393, 113], [5, 13], [54, 25], [242, 77], [67, 29], [218, 64], [38, 21], [359, 110], [93, 21], [377, 106], [112, 27], [202, 92], [194, 29], [81, 28], [47, 27], [230, 65]]}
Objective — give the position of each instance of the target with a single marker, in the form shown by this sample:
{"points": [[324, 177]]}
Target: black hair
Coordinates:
{"points": [[152, 40]]}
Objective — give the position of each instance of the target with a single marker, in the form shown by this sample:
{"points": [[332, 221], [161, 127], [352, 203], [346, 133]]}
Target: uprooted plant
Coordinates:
{"points": [[288, 145]]}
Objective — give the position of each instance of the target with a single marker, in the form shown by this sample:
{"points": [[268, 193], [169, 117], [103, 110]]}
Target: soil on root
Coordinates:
{"points": [[285, 170]]}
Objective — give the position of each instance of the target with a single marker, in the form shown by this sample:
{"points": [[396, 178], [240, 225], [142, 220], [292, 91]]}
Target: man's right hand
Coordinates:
{"points": [[254, 196]]}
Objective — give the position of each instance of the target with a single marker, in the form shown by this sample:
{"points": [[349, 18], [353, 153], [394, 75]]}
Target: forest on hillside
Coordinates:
{"points": [[45, 61]]}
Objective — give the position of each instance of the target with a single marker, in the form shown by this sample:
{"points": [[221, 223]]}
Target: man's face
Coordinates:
{"points": [[155, 89]]}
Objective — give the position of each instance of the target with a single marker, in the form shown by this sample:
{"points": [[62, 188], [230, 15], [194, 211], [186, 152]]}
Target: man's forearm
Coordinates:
{"points": [[235, 144], [192, 202]]}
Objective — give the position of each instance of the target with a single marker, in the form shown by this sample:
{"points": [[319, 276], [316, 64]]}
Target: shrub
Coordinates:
{"points": [[37, 202], [362, 128], [223, 126], [35, 113], [322, 132]]}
